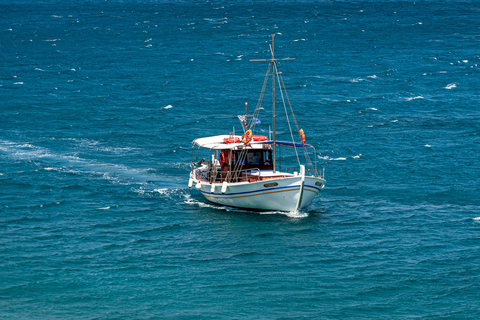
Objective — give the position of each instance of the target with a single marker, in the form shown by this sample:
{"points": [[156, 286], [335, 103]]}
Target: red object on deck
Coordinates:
{"points": [[259, 138], [231, 140]]}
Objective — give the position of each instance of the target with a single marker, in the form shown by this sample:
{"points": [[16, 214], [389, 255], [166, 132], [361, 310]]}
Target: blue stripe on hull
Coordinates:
{"points": [[260, 191], [246, 194]]}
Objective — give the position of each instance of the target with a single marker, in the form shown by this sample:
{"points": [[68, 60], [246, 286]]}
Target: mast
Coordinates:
{"points": [[246, 122], [273, 102], [273, 61]]}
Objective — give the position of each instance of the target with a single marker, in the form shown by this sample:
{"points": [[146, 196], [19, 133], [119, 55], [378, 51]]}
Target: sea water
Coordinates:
{"points": [[100, 101]]}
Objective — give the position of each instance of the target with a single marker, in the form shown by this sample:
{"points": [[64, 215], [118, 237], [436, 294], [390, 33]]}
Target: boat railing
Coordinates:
{"points": [[322, 173], [214, 175], [308, 171], [291, 170], [217, 176]]}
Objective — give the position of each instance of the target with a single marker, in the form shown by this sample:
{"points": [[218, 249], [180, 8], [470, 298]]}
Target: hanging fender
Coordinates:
{"points": [[302, 136]]}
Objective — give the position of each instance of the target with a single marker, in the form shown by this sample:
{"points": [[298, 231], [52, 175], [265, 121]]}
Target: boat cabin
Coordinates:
{"points": [[231, 160]]}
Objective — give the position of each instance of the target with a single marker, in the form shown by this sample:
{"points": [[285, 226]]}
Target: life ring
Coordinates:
{"points": [[302, 136], [247, 136]]}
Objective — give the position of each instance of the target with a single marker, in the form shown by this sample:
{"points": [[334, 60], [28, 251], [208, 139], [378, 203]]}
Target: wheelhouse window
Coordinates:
{"points": [[261, 159]]}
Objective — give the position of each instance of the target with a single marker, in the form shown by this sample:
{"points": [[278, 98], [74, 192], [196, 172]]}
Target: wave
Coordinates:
{"points": [[363, 79], [357, 80], [332, 159], [414, 98], [450, 86]]}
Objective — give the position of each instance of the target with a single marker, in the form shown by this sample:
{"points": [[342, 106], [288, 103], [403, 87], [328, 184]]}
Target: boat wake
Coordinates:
{"points": [[117, 173]]}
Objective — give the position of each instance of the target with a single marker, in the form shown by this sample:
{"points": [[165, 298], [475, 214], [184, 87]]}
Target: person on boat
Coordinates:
{"points": [[224, 155]]}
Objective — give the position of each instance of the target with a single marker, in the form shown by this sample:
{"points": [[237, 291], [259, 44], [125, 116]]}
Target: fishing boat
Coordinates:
{"points": [[247, 171]]}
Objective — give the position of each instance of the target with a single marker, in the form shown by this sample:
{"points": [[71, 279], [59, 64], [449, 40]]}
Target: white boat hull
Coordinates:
{"points": [[281, 194]]}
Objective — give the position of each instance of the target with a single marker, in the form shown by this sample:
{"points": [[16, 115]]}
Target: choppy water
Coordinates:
{"points": [[100, 101]]}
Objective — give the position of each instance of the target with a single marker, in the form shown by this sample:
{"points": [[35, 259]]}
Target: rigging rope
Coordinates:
{"points": [[286, 113], [307, 156], [250, 123]]}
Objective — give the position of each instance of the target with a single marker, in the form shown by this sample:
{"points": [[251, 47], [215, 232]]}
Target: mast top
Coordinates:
{"points": [[272, 49]]}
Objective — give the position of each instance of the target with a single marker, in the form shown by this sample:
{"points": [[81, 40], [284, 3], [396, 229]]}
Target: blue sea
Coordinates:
{"points": [[100, 102]]}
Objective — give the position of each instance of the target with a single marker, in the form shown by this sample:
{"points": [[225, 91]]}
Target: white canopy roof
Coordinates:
{"points": [[217, 142]]}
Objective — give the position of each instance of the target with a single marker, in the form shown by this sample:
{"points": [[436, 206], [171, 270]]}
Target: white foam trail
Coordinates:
{"points": [[190, 201], [69, 163], [292, 214]]}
